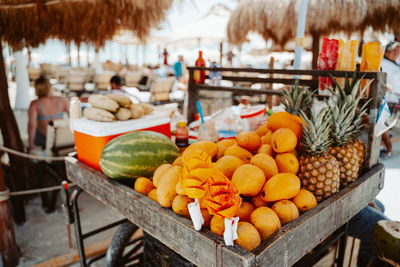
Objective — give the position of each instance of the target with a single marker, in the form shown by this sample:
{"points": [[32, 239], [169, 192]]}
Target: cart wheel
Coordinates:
{"points": [[117, 254]]}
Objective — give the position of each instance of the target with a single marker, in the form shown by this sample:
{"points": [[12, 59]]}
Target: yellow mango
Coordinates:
{"points": [[239, 152], [153, 195], [286, 210], [166, 186], [266, 163], [248, 236], [159, 172], [266, 221], [201, 146], [143, 185], [281, 186], [179, 205]]}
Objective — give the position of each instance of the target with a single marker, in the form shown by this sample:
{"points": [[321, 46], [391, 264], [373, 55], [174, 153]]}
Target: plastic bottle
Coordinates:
{"points": [[182, 135], [75, 111], [200, 75]]}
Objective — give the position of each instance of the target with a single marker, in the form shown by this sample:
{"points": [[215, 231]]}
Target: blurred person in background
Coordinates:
{"points": [[392, 54], [118, 87], [178, 68], [43, 110]]}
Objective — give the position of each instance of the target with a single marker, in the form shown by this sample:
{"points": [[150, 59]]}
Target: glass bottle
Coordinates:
{"points": [[182, 135], [200, 75]]}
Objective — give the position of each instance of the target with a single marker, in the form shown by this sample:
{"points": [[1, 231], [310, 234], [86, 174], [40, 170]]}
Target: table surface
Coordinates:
{"points": [[205, 248]]}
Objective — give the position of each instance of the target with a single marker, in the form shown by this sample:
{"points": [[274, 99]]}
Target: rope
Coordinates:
{"points": [[29, 156], [4, 195], [36, 191]]}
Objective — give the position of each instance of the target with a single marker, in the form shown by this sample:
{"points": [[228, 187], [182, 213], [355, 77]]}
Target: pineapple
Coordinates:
{"points": [[298, 98], [346, 128], [319, 171]]}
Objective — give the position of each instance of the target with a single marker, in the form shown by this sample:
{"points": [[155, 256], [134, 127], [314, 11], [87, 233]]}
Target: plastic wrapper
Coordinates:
{"points": [[371, 59], [327, 60], [347, 57]]}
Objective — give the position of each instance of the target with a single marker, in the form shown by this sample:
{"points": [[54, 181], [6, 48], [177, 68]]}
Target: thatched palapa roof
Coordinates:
{"points": [[277, 19], [32, 22]]}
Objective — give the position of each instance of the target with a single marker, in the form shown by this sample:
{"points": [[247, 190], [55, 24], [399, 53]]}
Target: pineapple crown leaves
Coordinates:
{"points": [[347, 121], [297, 98], [315, 136]]}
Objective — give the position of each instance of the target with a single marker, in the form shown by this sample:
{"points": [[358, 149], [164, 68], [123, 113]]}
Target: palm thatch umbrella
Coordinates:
{"points": [[277, 19], [31, 22]]}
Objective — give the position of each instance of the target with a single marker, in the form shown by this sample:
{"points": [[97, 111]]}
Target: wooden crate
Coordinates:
{"points": [[204, 248]]}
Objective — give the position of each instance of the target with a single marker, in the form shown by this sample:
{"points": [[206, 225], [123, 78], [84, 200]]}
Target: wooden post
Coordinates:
{"points": [[315, 50], [12, 139], [193, 97], [270, 98], [8, 247], [377, 91], [221, 53]]}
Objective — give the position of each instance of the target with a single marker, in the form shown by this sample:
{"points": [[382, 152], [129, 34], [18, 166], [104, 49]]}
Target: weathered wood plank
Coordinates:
{"points": [[378, 90], [316, 73], [238, 90], [203, 248], [297, 238]]}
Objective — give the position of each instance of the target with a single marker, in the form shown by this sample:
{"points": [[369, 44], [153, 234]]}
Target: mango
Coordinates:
{"points": [[217, 225], [143, 185], [228, 164], [262, 130], [207, 217], [266, 163], [248, 179], [153, 195], [258, 202], [266, 221], [159, 172], [281, 186], [239, 152], [266, 149], [166, 186], [178, 188], [286, 211], [223, 145], [287, 162], [304, 200], [283, 140], [178, 161], [179, 205], [203, 146], [245, 211], [248, 236], [248, 140]]}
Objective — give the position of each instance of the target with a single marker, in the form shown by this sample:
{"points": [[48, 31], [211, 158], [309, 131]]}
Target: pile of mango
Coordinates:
{"points": [[262, 165]]}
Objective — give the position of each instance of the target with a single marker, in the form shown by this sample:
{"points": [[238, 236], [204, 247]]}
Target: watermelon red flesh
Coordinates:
{"points": [[137, 154]]}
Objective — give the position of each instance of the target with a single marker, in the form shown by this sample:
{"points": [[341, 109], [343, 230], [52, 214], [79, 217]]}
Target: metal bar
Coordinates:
{"points": [[104, 228], [78, 229]]}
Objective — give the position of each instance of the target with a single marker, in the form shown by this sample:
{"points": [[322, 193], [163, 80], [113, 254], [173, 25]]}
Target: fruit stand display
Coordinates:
{"points": [[258, 177]]}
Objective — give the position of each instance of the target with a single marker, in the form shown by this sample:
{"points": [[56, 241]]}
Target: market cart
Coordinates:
{"points": [[288, 245]]}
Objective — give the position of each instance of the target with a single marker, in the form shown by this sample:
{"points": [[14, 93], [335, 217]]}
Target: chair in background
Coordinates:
{"points": [[102, 80], [34, 73], [160, 90], [132, 78], [76, 81]]}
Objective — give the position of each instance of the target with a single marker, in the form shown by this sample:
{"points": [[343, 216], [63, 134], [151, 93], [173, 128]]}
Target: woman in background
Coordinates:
{"points": [[43, 110]]}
